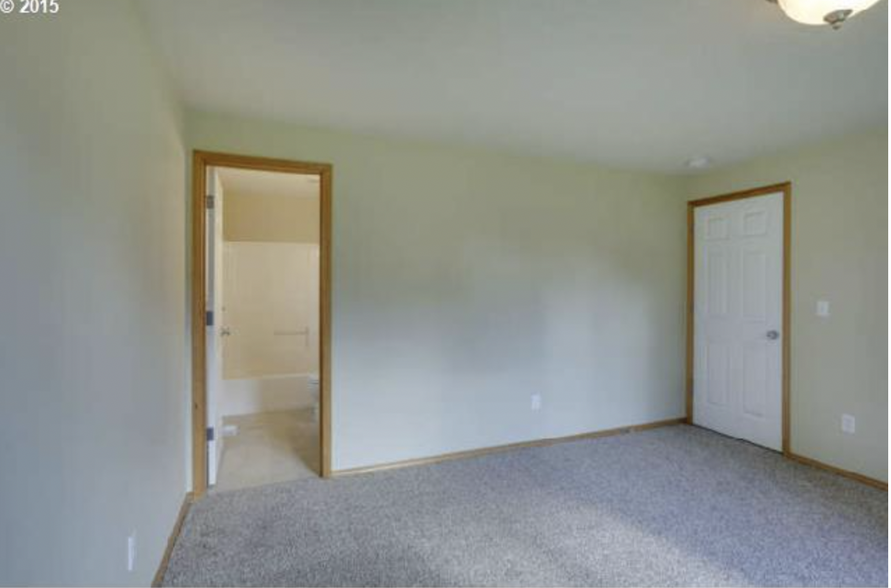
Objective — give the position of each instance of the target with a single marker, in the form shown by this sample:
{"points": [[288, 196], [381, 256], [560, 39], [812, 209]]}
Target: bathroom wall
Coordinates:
{"points": [[278, 218]]}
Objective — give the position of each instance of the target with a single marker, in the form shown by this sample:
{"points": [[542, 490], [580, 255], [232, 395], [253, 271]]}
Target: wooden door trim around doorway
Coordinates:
{"points": [[201, 160], [786, 190]]}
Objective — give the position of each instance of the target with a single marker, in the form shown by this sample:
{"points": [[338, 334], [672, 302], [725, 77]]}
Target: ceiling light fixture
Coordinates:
{"points": [[820, 12]]}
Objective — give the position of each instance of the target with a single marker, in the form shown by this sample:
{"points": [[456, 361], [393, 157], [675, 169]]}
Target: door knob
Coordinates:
{"points": [[772, 335], [225, 332]]}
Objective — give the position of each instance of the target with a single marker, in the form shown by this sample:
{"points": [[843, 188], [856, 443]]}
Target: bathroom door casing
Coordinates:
{"points": [[738, 319], [201, 409]]}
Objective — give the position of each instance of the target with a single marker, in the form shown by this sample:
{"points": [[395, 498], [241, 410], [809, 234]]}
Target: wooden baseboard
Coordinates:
{"points": [[848, 474], [171, 541], [499, 448]]}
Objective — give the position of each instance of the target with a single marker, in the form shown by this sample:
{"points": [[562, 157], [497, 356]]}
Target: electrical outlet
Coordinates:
{"points": [[131, 552], [536, 401], [849, 424]]}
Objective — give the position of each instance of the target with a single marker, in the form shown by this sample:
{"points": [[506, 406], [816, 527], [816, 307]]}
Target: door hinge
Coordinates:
{"points": [[210, 433], [208, 318], [209, 202]]}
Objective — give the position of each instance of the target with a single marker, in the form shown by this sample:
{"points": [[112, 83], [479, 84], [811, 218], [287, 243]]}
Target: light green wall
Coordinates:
{"points": [[465, 280], [839, 253], [93, 410]]}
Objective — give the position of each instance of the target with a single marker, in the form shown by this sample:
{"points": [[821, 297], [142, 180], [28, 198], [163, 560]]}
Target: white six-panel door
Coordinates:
{"points": [[737, 318]]}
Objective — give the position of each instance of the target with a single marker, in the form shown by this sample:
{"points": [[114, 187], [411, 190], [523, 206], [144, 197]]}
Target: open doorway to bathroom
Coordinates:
{"points": [[263, 291], [260, 386]]}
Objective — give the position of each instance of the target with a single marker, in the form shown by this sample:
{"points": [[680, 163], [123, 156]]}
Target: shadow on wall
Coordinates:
{"points": [[502, 319]]}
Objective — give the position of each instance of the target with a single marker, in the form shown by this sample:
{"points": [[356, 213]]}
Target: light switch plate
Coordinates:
{"points": [[822, 308], [131, 552], [536, 401], [849, 424]]}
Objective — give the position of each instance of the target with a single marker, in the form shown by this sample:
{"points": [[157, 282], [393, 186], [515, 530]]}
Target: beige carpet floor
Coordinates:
{"points": [[270, 447], [678, 506]]}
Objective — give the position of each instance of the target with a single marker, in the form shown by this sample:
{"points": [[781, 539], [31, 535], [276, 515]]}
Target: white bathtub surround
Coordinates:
{"points": [[272, 309], [272, 303], [272, 393]]}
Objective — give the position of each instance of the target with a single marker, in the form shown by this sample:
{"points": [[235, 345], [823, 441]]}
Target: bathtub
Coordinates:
{"points": [[265, 394]]}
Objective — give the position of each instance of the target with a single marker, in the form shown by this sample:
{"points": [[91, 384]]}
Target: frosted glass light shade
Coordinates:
{"points": [[813, 12]]}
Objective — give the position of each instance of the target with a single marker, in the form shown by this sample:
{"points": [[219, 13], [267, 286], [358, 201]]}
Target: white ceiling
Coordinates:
{"points": [[249, 182], [643, 84]]}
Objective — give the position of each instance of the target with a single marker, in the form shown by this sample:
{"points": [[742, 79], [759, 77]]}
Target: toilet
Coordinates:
{"points": [[313, 387]]}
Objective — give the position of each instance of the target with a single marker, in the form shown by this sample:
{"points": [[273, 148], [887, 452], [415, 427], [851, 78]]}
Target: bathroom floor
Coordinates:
{"points": [[269, 447]]}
